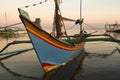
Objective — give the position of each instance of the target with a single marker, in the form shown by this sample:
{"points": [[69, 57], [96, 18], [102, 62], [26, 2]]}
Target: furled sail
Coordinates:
{"points": [[57, 23]]}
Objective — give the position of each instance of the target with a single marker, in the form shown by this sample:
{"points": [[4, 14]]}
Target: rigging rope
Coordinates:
{"points": [[71, 27], [91, 26]]}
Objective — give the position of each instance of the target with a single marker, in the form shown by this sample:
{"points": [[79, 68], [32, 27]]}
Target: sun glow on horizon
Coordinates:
{"points": [[93, 11]]}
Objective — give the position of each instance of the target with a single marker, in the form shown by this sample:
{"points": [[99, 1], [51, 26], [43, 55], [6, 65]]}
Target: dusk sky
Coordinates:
{"points": [[94, 12]]}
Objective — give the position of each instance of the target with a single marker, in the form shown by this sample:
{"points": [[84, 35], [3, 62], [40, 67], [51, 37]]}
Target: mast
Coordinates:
{"points": [[57, 18], [5, 20], [80, 16]]}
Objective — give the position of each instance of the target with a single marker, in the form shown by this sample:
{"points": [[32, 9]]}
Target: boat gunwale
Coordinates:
{"points": [[53, 41]]}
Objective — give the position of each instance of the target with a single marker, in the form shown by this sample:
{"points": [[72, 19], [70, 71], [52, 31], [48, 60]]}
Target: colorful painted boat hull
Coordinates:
{"points": [[51, 54], [54, 55], [67, 71]]}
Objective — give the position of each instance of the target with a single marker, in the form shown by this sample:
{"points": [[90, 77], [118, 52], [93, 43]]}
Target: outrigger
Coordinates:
{"points": [[58, 54]]}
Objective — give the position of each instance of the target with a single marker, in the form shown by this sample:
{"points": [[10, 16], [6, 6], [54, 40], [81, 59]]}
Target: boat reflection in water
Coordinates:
{"points": [[101, 62]]}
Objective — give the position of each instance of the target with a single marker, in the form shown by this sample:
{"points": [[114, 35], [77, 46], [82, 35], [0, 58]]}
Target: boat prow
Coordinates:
{"points": [[57, 56]]}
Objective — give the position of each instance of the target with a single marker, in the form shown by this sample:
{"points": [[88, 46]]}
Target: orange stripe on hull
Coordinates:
{"points": [[54, 44]]}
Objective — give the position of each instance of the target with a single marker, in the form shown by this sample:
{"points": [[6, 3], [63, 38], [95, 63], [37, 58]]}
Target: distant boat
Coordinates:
{"points": [[6, 34], [8, 30], [112, 27], [60, 56]]}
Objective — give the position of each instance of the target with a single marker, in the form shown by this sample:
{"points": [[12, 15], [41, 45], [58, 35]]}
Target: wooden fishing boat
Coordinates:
{"points": [[60, 56], [112, 27]]}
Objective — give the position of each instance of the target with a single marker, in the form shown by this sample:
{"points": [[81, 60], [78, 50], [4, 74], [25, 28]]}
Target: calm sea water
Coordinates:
{"points": [[101, 63]]}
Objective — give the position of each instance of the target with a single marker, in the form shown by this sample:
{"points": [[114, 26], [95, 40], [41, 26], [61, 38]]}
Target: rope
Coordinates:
{"points": [[91, 26], [71, 27], [94, 28]]}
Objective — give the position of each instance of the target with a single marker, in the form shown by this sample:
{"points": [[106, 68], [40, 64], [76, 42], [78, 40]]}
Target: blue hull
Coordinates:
{"points": [[51, 54], [68, 71]]}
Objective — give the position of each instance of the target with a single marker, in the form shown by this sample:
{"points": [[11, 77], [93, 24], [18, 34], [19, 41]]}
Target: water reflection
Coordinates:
{"points": [[84, 69], [14, 54], [100, 66], [24, 66], [79, 71], [17, 74], [98, 55], [12, 72]]}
